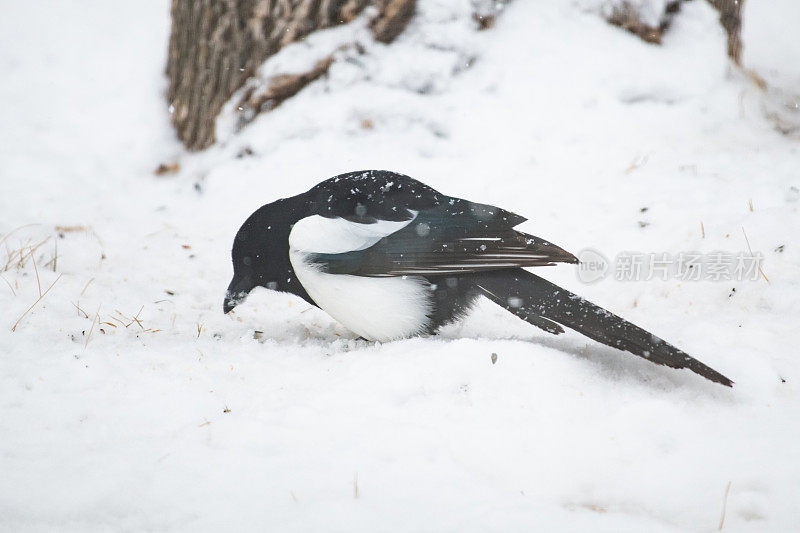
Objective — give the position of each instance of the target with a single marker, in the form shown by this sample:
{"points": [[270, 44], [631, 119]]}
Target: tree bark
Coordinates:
{"points": [[730, 16], [393, 16], [626, 15], [216, 45]]}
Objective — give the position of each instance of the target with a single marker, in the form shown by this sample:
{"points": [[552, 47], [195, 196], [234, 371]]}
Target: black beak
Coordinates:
{"points": [[229, 304], [236, 293]]}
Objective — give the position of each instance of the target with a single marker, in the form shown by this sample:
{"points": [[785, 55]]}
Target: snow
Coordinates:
{"points": [[764, 32], [277, 418]]}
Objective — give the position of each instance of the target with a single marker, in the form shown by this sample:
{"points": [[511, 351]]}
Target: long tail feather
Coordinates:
{"points": [[540, 302]]}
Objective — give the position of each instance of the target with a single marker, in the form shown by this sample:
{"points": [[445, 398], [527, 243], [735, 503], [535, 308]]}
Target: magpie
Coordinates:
{"points": [[389, 257]]}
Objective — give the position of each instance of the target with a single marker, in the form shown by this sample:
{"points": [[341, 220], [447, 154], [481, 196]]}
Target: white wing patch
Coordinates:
{"points": [[381, 309], [317, 234]]}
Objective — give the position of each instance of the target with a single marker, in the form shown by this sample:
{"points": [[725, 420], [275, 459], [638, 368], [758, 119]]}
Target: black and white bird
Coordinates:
{"points": [[389, 257]]}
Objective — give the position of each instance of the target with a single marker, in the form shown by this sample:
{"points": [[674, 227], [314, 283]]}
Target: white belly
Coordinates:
{"points": [[380, 309]]}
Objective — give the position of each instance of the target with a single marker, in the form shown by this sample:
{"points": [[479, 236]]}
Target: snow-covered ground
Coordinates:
{"points": [[182, 420]]}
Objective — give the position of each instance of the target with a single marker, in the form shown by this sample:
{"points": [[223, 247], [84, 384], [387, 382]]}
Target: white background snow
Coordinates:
{"points": [[186, 422]]}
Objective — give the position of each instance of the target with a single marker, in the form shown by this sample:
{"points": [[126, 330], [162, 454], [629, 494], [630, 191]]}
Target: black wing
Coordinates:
{"points": [[453, 236]]}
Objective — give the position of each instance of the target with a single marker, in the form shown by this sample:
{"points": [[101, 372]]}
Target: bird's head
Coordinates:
{"points": [[260, 252]]}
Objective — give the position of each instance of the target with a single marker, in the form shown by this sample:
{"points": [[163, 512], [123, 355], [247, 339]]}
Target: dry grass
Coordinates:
{"points": [[54, 260], [24, 256], [27, 253], [751, 254], [167, 168], [39, 299], [71, 229], [9, 285], [10, 233], [94, 321], [638, 162], [86, 286], [41, 293], [17, 258], [127, 321], [81, 311], [724, 506]]}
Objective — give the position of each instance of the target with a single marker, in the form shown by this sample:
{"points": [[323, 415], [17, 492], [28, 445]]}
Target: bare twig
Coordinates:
{"points": [[39, 299]]}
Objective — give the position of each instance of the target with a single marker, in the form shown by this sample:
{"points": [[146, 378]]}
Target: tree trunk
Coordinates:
{"points": [[626, 15], [730, 16], [216, 45]]}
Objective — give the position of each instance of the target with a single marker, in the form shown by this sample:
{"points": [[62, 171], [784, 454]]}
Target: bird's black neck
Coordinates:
{"points": [[264, 238]]}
